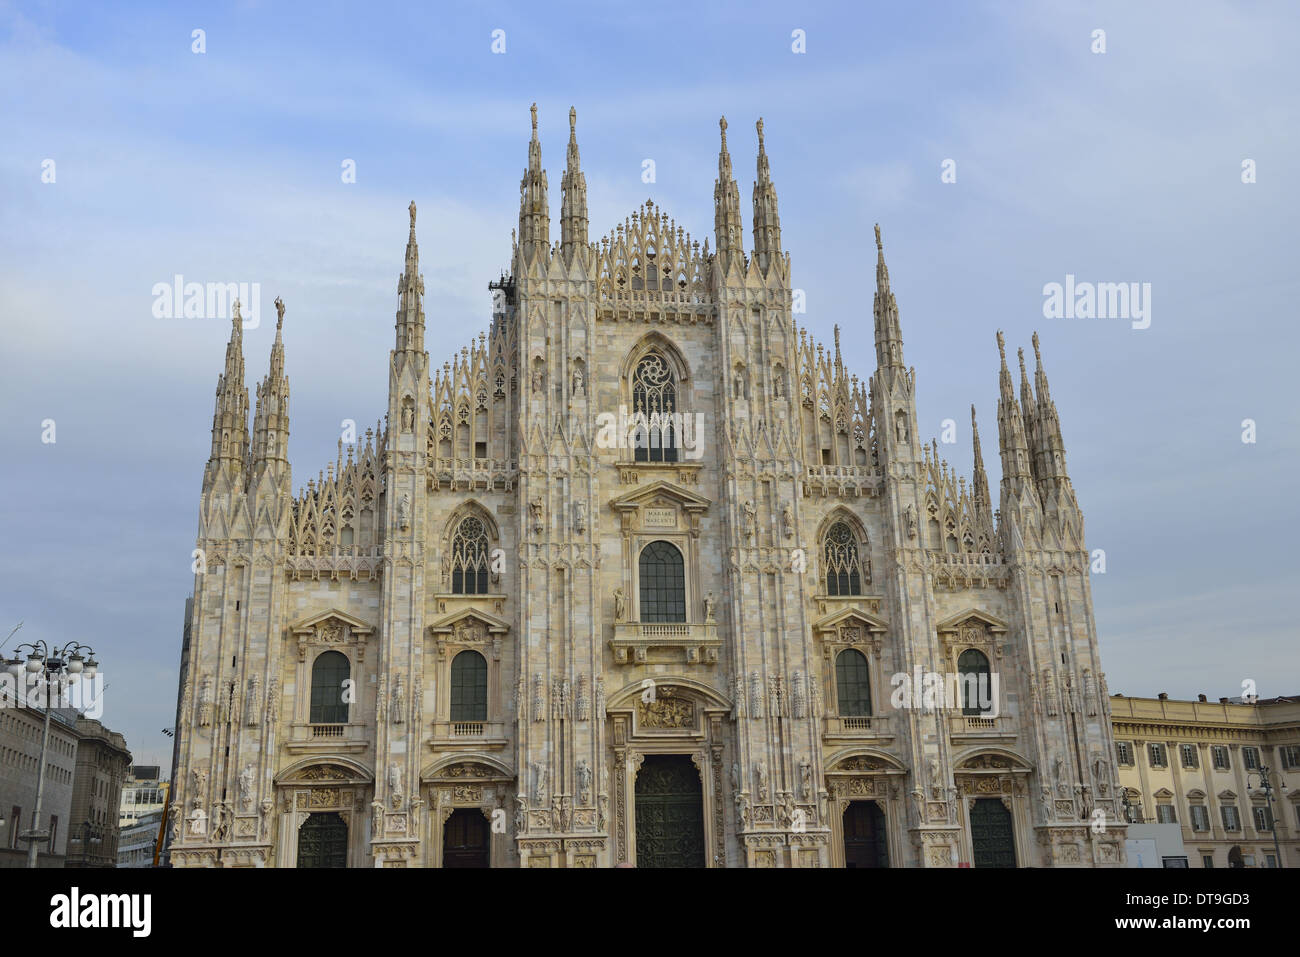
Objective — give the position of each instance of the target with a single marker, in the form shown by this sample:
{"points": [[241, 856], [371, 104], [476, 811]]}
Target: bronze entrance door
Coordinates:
{"points": [[865, 844], [991, 836], [323, 841], [669, 813], [465, 839]]}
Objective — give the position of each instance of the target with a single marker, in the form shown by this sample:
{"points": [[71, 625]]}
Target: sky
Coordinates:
{"points": [[227, 165]]}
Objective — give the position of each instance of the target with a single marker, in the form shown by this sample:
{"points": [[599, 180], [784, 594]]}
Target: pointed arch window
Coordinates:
{"points": [[469, 558], [654, 396], [844, 570], [329, 672], [852, 683], [976, 691], [663, 583], [469, 687]]}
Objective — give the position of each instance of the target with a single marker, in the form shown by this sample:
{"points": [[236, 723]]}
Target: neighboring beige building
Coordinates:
{"points": [[494, 633], [1196, 763], [21, 729], [102, 763]]}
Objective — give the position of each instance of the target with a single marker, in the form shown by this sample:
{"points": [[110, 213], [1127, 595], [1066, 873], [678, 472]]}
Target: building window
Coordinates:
{"points": [[328, 674], [1200, 817], [1219, 754], [1231, 819], [1188, 753], [1156, 754], [1251, 758], [1291, 756], [469, 558], [1263, 819], [1272, 861], [663, 583], [1124, 753], [654, 395], [843, 567], [1165, 814], [15, 817], [469, 687], [1207, 860], [973, 673], [54, 832], [852, 681]]}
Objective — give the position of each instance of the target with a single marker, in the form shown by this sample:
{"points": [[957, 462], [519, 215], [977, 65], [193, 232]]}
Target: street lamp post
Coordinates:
{"points": [[1267, 787], [54, 666]]}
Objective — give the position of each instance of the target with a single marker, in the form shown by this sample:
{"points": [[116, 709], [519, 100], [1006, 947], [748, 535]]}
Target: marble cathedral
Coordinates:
{"points": [[489, 635]]}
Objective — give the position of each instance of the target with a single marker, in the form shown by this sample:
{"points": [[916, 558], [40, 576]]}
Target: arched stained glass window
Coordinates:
{"points": [[852, 682], [328, 702], [469, 558], [843, 565], [654, 395], [663, 583], [469, 687]]}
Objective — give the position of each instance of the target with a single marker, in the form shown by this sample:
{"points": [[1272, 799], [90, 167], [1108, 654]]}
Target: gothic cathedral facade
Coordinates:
{"points": [[643, 576]]}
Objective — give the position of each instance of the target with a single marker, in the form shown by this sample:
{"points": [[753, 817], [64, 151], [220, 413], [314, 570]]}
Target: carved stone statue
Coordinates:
{"points": [[535, 508], [760, 778], [398, 706], [408, 418], [578, 387], [900, 427], [404, 511], [751, 516], [584, 783], [708, 606], [539, 792], [910, 516], [395, 785], [805, 779], [787, 521], [620, 605], [580, 517], [539, 379], [246, 787]]}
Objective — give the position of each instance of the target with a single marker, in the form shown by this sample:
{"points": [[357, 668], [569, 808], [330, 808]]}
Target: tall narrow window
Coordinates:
{"points": [[663, 583], [469, 558], [976, 688], [654, 396], [843, 567], [469, 687], [853, 684], [328, 700]]}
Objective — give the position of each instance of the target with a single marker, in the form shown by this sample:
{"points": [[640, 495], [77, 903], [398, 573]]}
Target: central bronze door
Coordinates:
{"points": [[465, 839], [865, 844], [991, 835], [669, 813], [323, 841]]}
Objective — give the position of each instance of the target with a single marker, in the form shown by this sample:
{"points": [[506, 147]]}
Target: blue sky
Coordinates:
{"points": [[225, 166]]}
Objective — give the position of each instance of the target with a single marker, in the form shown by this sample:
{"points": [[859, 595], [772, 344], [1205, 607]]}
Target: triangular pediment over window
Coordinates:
{"points": [[469, 623], [665, 493], [995, 625], [320, 622], [851, 617]]}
